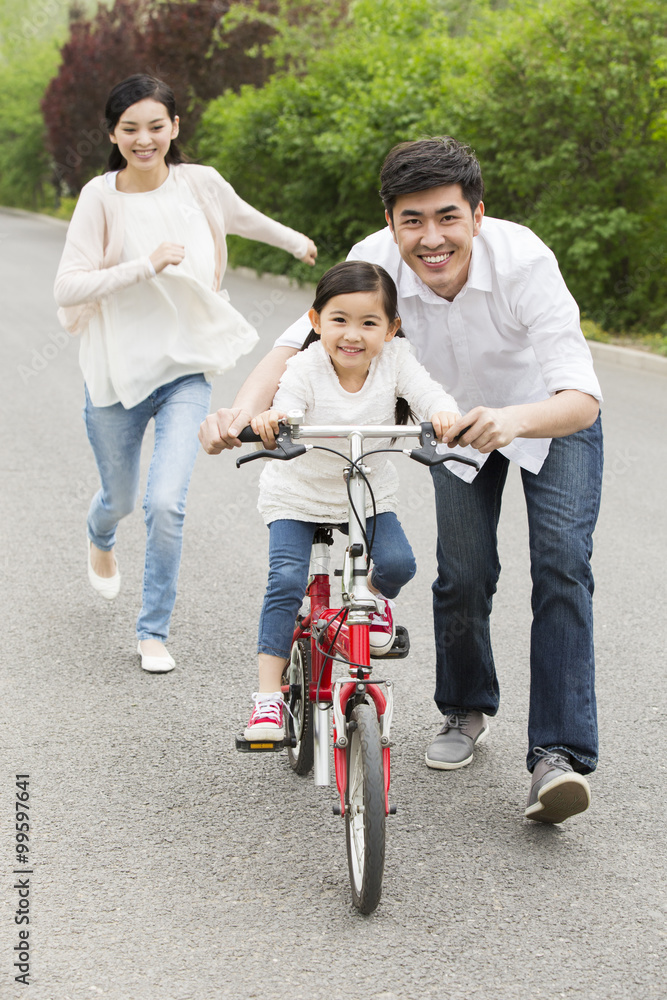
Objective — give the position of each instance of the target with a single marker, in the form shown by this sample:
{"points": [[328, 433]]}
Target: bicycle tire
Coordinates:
{"points": [[297, 673], [365, 808]]}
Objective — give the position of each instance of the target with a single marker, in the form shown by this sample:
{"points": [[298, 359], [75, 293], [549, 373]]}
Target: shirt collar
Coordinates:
{"points": [[479, 277]]}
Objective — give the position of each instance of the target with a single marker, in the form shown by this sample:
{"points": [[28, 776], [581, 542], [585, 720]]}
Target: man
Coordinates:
{"points": [[487, 311]]}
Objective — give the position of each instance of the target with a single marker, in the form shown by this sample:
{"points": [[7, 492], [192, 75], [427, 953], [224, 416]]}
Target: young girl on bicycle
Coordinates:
{"points": [[352, 371], [139, 280]]}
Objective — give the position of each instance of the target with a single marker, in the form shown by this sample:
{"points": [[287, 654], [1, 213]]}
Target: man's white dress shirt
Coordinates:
{"points": [[512, 334]]}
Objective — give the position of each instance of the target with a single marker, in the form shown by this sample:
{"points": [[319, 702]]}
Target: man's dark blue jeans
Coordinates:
{"points": [[562, 502]]}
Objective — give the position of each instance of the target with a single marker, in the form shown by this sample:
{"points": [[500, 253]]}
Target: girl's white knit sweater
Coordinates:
{"points": [[311, 487]]}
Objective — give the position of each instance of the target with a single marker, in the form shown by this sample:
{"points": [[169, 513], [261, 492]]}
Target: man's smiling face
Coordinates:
{"points": [[434, 230]]}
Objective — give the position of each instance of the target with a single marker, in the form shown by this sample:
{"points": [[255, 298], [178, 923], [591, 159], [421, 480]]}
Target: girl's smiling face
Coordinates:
{"points": [[143, 134], [353, 329]]}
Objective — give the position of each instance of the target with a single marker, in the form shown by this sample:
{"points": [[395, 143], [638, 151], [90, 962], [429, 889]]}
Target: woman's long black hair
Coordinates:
{"points": [[123, 96], [360, 276]]}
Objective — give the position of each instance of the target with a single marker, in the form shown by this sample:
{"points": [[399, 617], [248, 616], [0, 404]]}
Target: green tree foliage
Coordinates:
{"points": [[564, 101], [308, 147], [573, 143], [30, 32], [24, 162], [184, 42]]}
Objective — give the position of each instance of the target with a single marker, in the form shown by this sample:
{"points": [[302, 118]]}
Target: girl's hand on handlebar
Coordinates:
{"points": [[442, 422], [266, 425], [167, 253]]}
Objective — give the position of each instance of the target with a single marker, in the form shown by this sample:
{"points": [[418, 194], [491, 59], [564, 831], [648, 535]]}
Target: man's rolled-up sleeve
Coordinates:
{"points": [[548, 311]]}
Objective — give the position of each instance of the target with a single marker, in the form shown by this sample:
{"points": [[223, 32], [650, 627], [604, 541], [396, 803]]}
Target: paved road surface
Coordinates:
{"points": [[168, 867]]}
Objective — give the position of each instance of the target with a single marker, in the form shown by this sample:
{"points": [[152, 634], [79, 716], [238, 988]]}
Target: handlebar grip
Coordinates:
{"points": [[285, 449], [248, 434], [428, 455]]}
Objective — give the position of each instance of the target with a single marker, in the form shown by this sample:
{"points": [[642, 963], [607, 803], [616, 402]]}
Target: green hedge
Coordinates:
{"points": [[564, 102]]}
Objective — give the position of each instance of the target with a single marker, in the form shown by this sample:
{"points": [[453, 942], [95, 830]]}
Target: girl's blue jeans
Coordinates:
{"points": [[290, 543], [562, 502], [116, 435]]}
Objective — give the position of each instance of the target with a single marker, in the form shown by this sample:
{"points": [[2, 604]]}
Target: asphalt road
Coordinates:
{"points": [[165, 866]]}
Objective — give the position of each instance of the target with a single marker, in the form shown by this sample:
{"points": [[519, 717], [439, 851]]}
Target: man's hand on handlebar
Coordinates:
{"points": [[220, 430], [266, 425], [485, 428], [442, 422]]}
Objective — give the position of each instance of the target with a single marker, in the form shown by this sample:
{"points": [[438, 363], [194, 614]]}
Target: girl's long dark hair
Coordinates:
{"points": [[123, 96], [360, 276]]}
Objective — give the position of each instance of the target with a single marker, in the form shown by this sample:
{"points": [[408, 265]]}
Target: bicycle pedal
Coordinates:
{"points": [[261, 746], [400, 648]]}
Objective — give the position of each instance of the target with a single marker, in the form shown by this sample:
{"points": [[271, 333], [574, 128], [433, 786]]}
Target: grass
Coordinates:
{"points": [[655, 343]]}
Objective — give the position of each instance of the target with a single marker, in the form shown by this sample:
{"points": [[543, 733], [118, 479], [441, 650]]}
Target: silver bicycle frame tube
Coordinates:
{"points": [[321, 741]]}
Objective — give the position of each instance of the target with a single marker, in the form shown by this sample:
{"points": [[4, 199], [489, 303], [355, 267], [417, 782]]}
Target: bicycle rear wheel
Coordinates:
{"points": [[297, 675], [365, 808]]}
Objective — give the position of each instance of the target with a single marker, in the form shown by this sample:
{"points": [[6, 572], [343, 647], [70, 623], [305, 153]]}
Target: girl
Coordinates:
{"points": [[139, 280], [353, 371]]}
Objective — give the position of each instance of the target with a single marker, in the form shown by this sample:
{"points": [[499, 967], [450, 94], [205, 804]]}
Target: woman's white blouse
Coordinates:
{"points": [[151, 332]]}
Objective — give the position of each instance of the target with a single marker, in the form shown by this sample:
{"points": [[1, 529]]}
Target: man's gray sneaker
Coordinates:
{"points": [[557, 791], [454, 744]]}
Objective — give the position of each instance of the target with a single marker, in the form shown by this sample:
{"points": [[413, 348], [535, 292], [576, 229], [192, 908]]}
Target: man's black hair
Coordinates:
{"points": [[427, 163]]}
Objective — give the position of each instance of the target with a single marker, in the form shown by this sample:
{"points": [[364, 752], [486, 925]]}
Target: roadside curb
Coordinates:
{"points": [[628, 357], [33, 215], [283, 280]]}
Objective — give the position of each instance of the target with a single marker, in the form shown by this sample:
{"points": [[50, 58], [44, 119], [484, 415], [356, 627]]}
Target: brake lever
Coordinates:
{"points": [[427, 454], [285, 450]]}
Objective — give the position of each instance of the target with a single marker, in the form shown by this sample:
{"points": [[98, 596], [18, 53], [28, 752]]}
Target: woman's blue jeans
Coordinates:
{"points": [[116, 435], [290, 543], [562, 502]]}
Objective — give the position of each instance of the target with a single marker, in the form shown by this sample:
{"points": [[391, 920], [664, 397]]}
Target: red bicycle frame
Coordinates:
{"points": [[347, 641]]}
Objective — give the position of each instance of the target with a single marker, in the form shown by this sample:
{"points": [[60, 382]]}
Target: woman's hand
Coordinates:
{"points": [[167, 253], [266, 425], [310, 255], [442, 422]]}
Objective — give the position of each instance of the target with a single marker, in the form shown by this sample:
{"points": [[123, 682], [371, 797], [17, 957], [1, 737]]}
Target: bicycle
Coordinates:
{"points": [[362, 707]]}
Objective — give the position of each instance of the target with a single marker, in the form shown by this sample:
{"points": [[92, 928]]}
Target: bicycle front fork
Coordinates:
{"points": [[343, 691]]}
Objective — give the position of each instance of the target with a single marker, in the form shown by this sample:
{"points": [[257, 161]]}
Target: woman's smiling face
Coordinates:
{"points": [[143, 134]]}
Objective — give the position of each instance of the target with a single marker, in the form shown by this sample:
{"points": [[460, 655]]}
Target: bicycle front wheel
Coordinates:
{"points": [[365, 812], [297, 676]]}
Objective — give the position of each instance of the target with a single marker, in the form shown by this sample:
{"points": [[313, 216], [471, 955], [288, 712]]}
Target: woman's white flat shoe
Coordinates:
{"points": [[107, 586], [156, 664]]}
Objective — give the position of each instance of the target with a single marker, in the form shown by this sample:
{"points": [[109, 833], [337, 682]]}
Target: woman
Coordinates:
{"points": [[139, 280]]}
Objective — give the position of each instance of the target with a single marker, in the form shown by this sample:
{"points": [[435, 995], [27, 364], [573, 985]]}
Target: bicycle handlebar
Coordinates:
{"points": [[287, 447]]}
